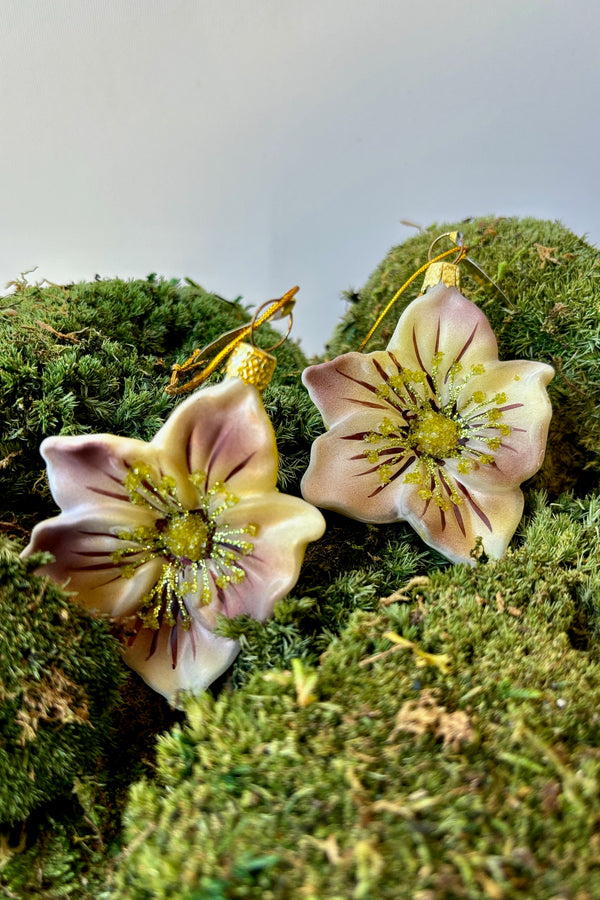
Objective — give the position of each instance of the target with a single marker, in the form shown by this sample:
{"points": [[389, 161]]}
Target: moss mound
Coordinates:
{"points": [[444, 748], [59, 675], [440, 744]]}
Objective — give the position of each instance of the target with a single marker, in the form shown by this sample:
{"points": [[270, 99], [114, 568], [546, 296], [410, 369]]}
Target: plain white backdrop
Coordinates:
{"points": [[256, 144]]}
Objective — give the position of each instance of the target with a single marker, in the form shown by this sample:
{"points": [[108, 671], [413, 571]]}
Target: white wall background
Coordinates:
{"points": [[255, 144]]}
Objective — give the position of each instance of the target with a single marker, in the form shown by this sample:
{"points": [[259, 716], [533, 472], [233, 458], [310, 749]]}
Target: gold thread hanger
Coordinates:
{"points": [[253, 365], [438, 270]]}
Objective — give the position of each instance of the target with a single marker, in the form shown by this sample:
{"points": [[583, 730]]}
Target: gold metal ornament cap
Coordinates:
{"points": [[447, 273], [251, 364]]}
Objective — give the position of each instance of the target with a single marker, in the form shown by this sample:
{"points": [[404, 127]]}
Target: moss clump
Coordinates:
{"points": [[88, 358], [442, 745], [551, 279], [446, 747], [59, 675]]}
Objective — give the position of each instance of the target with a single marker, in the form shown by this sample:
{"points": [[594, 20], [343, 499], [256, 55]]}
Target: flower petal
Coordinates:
{"points": [[90, 470], [339, 477], [348, 385], [444, 321], [82, 545], [491, 516], [222, 430], [286, 525], [201, 657], [526, 410]]}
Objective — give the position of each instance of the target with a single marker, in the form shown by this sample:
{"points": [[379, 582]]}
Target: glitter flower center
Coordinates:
{"points": [[432, 417], [187, 536], [434, 434], [199, 551]]}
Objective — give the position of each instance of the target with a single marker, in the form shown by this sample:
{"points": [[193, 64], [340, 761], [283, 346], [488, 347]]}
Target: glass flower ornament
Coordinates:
{"points": [[162, 537], [434, 430]]}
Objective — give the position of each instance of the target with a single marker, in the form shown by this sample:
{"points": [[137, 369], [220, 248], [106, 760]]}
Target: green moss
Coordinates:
{"points": [[460, 763], [391, 773], [551, 279], [59, 673]]}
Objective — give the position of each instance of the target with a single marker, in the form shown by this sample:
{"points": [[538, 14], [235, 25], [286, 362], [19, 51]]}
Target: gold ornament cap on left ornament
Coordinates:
{"points": [[252, 365]]}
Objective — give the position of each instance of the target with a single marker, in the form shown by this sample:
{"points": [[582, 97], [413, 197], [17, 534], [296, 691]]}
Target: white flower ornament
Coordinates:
{"points": [[435, 430], [163, 536]]}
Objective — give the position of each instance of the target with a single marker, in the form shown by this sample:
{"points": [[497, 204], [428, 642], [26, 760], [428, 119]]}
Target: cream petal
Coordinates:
{"points": [[348, 385], [201, 658], [443, 321], [286, 525], [526, 410], [82, 545], [90, 470], [222, 430], [336, 479], [493, 517]]}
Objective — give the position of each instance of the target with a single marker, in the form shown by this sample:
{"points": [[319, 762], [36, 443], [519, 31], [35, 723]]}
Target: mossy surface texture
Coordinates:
{"points": [[402, 727], [59, 674], [461, 761]]}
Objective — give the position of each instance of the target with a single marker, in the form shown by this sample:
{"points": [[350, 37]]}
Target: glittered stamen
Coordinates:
{"points": [[200, 553]]}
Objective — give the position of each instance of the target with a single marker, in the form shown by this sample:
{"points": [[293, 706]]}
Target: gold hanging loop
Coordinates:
{"points": [[254, 325], [446, 272], [226, 344], [399, 293], [459, 245]]}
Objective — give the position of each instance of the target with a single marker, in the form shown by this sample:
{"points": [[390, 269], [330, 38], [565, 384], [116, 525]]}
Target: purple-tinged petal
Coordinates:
{"points": [[347, 386], [340, 477], [200, 658], [223, 431], [83, 546], [286, 525], [90, 470]]}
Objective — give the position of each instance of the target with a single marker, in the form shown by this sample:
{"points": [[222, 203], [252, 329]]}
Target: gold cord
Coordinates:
{"points": [[223, 346], [462, 252]]}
